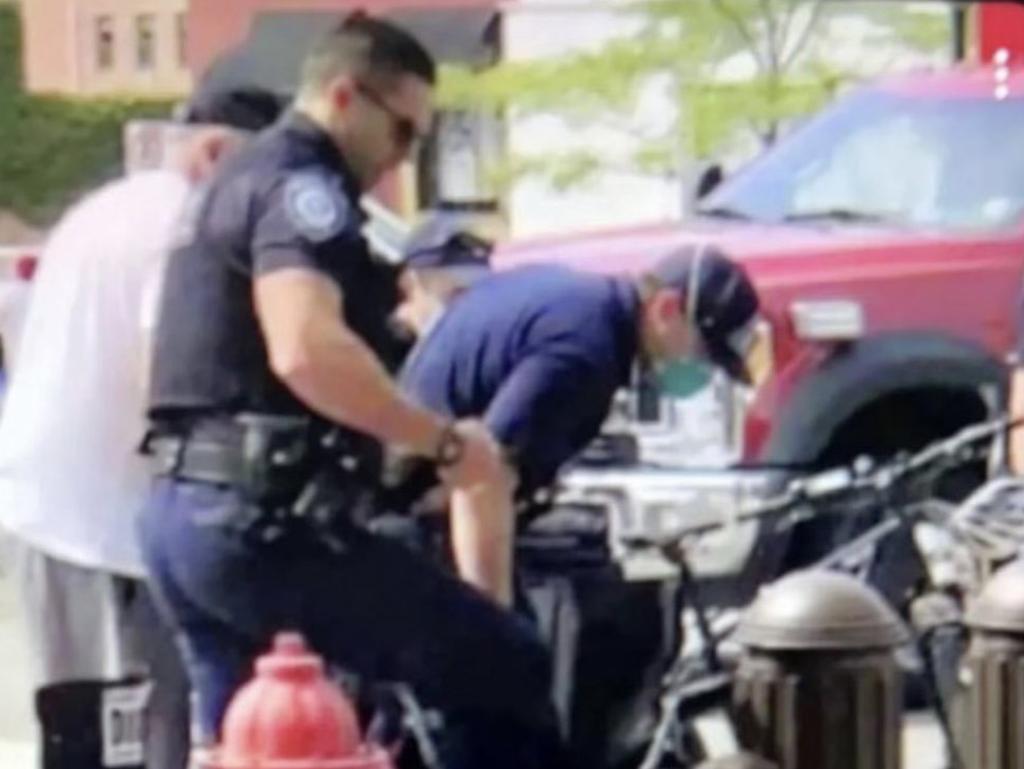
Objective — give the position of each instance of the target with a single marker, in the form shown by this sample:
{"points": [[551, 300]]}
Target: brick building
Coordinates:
{"points": [[161, 47], [89, 47]]}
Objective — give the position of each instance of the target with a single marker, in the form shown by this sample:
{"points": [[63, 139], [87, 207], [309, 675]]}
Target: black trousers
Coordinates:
{"points": [[372, 607], [612, 642]]}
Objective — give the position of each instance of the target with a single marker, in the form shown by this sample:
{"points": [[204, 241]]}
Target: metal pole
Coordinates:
{"points": [[959, 12]]}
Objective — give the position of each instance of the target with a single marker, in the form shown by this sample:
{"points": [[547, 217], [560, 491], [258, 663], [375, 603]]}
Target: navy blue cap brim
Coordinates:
{"points": [[723, 356], [726, 302], [441, 243]]}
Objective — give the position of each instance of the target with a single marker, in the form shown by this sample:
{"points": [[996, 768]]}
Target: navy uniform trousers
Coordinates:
{"points": [[371, 607]]}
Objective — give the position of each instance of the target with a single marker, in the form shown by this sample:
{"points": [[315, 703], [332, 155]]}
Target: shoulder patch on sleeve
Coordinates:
{"points": [[314, 206]]}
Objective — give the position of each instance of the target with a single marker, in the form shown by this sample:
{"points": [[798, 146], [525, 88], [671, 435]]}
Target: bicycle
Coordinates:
{"points": [[899, 492]]}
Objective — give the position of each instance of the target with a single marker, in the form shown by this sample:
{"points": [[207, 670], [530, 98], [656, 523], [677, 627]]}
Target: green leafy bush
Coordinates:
{"points": [[52, 149]]}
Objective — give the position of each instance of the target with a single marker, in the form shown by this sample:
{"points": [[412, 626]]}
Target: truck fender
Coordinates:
{"points": [[857, 374]]}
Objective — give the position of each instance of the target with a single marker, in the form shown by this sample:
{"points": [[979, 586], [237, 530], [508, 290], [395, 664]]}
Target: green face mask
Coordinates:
{"points": [[683, 378]]}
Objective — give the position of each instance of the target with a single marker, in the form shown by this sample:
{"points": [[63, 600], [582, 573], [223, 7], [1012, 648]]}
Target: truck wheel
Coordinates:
{"points": [[904, 421]]}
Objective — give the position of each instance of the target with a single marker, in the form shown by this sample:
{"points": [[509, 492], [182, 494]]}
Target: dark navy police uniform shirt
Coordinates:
{"points": [[538, 352], [287, 199]]}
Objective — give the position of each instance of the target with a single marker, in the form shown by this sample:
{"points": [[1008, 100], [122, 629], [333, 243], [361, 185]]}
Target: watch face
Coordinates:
{"points": [[450, 450]]}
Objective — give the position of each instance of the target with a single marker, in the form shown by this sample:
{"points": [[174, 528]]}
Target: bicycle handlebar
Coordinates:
{"points": [[839, 481]]}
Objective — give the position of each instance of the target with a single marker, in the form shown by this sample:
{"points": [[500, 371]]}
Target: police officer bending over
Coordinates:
{"points": [[539, 353], [269, 407]]}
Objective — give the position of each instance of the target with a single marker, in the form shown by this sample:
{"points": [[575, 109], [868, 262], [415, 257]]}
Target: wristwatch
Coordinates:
{"points": [[450, 447]]}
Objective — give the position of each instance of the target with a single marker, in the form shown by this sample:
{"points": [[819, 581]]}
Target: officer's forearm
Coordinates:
{"points": [[328, 367], [483, 530], [345, 382]]}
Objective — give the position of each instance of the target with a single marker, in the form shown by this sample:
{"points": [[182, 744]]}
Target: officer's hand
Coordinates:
{"points": [[482, 461], [202, 153]]}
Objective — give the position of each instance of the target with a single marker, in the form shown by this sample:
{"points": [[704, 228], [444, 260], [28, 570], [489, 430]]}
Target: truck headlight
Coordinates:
{"points": [[828, 320]]}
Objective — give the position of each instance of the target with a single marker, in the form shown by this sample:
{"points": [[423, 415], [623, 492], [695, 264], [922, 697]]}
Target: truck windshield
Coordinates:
{"points": [[893, 158]]}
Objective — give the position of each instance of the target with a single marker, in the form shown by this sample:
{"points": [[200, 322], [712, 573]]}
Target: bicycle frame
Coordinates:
{"points": [[699, 684]]}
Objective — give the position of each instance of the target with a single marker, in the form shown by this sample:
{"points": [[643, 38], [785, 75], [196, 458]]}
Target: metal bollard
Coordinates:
{"points": [[818, 686], [991, 702]]}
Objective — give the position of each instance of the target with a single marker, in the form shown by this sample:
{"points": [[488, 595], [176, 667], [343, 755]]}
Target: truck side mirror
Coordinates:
{"points": [[709, 179]]}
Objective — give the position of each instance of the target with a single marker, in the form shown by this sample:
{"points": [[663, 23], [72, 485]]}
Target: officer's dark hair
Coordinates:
{"points": [[369, 47]]}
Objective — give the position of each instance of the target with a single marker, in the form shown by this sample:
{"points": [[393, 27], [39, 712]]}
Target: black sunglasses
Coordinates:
{"points": [[403, 129]]}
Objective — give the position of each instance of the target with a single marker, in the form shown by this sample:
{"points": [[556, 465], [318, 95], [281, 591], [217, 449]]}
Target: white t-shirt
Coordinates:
{"points": [[71, 481], [14, 296]]}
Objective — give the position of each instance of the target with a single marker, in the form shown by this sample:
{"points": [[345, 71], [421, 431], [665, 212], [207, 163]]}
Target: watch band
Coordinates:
{"points": [[450, 447]]}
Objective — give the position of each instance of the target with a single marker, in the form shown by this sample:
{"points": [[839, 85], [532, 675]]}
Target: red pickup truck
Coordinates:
{"points": [[886, 237]]}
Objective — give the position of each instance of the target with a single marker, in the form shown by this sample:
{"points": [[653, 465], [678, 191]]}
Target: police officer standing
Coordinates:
{"points": [[539, 352], [269, 406]]}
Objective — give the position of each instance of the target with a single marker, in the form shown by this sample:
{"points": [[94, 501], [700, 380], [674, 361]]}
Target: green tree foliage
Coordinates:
{"points": [[686, 42], [53, 149]]}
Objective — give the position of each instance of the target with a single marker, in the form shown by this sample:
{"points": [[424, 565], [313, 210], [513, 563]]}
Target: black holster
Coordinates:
{"points": [[333, 503], [260, 455], [293, 474], [275, 451]]}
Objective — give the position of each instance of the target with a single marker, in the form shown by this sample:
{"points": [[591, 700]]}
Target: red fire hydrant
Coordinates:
{"points": [[290, 717]]}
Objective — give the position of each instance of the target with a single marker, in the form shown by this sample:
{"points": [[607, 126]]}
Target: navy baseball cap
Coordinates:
{"points": [[718, 296], [444, 242], [246, 108]]}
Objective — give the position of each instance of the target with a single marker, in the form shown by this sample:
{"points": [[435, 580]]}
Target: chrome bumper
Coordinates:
{"points": [[658, 503]]}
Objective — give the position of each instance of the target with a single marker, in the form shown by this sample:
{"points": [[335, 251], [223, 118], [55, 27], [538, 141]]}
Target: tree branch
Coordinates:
{"points": [[737, 22], [801, 41], [770, 29], [756, 129], [792, 6]]}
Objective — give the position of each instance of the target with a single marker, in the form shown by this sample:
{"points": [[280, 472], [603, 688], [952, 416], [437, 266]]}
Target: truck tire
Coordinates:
{"points": [[875, 397], [813, 432]]}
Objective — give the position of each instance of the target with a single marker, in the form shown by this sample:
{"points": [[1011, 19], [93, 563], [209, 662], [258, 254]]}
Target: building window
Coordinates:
{"points": [[181, 38], [104, 42], [455, 171], [145, 41]]}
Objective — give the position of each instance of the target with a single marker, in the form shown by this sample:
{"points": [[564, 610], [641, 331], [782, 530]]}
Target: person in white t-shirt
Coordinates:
{"points": [[71, 478]]}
